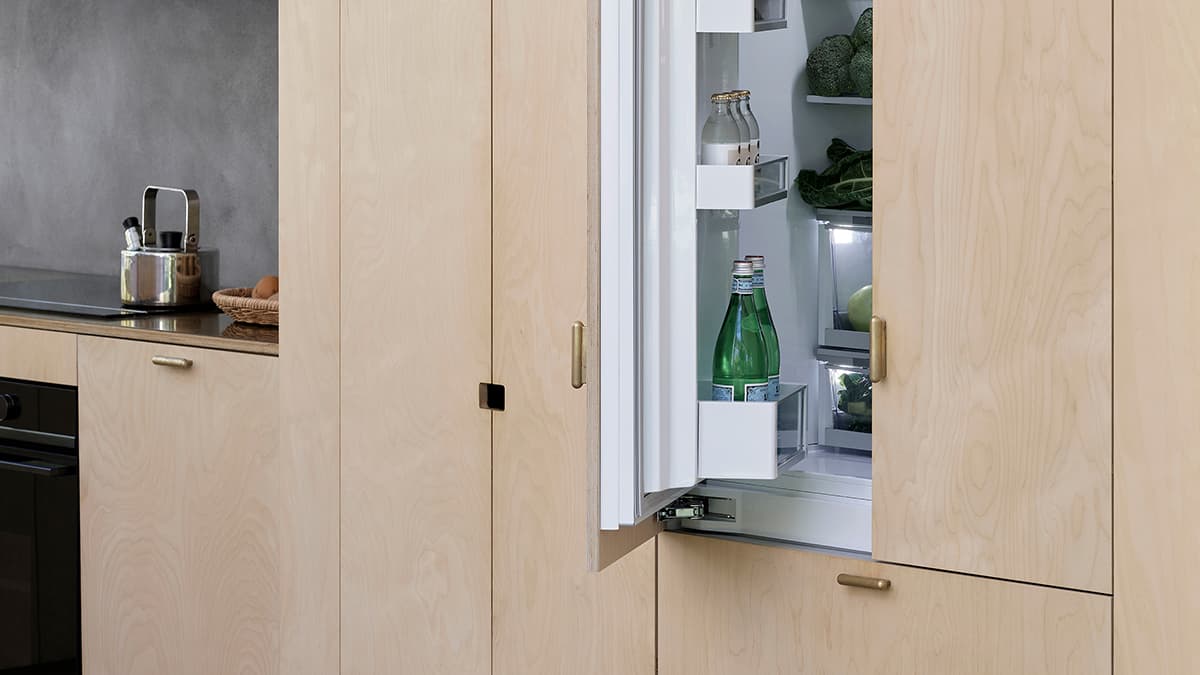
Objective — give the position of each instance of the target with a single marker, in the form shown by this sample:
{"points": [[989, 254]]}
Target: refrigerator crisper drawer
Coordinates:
{"points": [[751, 440], [720, 186]]}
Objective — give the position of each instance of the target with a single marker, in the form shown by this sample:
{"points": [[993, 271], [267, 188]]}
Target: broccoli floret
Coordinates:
{"points": [[860, 71], [861, 37], [829, 66]]}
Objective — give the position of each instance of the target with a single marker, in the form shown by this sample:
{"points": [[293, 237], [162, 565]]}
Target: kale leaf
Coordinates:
{"points": [[846, 184]]}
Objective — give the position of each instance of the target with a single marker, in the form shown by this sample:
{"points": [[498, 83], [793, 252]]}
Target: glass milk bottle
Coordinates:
{"points": [[721, 139], [743, 106]]}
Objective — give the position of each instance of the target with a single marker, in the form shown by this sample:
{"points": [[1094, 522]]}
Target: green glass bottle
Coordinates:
{"points": [[770, 337], [740, 359]]}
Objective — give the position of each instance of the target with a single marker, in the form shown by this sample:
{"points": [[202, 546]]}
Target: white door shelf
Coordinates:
{"points": [[839, 100], [720, 186], [751, 440], [740, 16]]}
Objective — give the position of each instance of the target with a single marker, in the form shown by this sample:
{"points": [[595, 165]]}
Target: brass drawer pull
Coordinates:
{"points": [[878, 356], [872, 583], [171, 362], [577, 367]]}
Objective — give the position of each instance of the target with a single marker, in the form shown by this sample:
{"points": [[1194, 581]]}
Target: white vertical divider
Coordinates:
{"points": [[668, 229]]}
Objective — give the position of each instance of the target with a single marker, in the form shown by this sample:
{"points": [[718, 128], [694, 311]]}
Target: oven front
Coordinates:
{"points": [[39, 530]]}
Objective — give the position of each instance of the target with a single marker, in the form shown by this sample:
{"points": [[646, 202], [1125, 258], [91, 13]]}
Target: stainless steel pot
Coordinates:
{"points": [[157, 277]]}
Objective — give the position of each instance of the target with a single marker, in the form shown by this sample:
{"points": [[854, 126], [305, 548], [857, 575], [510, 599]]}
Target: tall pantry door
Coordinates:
{"points": [[993, 271], [550, 613], [415, 336], [1157, 313]]}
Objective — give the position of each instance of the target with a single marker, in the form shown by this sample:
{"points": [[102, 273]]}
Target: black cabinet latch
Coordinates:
{"points": [[491, 396]]}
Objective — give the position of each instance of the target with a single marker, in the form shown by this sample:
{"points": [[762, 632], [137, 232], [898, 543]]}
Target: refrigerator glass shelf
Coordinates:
{"points": [[839, 100], [720, 186], [845, 219], [740, 16]]}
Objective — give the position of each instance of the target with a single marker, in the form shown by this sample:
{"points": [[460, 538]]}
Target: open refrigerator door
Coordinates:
{"points": [[672, 224]]}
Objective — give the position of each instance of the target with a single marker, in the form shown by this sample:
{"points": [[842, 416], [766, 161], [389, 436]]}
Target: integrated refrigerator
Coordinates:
{"points": [[797, 469]]}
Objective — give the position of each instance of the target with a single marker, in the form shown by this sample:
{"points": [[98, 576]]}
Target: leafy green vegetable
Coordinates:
{"points": [[854, 401], [863, 30], [829, 66], [860, 71], [846, 184]]}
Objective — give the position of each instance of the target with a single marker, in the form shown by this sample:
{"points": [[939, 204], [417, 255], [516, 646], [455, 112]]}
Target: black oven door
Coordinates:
{"points": [[39, 563]]}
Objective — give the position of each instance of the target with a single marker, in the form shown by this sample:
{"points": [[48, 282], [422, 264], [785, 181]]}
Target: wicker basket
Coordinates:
{"points": [[237, 303]]}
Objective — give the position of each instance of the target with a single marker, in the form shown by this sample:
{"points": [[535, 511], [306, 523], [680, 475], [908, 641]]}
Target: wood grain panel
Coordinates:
{"points": [[551, 615], [179, 511], [993, 247], [762, 609], [310, 333], [416, 336], [1157, 366], [37, 355]]}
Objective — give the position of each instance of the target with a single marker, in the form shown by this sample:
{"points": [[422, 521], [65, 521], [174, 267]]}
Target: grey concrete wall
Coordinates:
{"points": [[99, 98]]}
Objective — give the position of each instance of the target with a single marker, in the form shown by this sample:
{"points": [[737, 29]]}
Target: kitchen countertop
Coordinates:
{"points": [[211, 329]]}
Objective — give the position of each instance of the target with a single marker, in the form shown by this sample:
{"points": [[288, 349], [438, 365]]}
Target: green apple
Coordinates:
{"points": [[859, 309]]}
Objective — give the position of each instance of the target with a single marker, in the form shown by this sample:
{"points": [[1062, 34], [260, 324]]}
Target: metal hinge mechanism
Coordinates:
{"points": [[696, 507]]}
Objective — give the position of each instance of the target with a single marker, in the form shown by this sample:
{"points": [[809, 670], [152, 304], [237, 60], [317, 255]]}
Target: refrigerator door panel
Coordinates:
{"points": [[647, 258]]}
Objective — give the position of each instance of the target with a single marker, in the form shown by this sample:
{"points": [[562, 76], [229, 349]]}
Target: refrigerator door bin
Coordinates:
{"points": [[740, 16], [742, 187], [751, 440]]}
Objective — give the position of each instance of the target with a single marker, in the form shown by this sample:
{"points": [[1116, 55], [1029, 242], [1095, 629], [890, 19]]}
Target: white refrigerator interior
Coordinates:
{"points": [[670, 229]]}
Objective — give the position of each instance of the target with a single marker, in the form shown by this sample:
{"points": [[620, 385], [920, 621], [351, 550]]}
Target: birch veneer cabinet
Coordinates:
{"points": [[426, 188], [179, 510], [422, 533]]}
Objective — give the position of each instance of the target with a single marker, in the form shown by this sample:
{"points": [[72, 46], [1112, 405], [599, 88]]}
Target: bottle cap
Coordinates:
{"points": [[742, 268], [742, 93], [719, 97], [757, 262]]}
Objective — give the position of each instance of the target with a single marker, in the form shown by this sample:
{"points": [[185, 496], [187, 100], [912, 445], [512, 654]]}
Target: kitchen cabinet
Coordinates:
{"points": [[37, 355], [993, 270], [549, 614], [179, 510], [1156, 591], [766, 609], [420, 531]]}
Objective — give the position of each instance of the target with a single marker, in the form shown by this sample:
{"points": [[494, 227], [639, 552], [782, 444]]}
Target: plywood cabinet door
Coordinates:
{"points": [[178, 510], [726, 607], [1157, 273], [993, 270]]}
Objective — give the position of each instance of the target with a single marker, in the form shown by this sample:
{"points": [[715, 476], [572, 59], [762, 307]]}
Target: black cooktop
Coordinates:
{"points": [[64, 293]]}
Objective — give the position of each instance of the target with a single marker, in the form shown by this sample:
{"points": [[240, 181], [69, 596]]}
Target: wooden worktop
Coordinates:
{"points": [[211, 330]]}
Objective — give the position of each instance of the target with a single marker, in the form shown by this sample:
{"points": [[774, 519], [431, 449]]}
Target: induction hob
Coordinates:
{"points": [[63, 293]]}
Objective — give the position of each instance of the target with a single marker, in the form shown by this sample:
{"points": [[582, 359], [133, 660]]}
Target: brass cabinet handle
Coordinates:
{"points": [[872, 583], [577, 372], [878, 359], [171, 362]]}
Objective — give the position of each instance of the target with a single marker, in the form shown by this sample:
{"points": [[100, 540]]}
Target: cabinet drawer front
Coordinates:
{"points": [[179, 509], [761, 609], [37, 355]]}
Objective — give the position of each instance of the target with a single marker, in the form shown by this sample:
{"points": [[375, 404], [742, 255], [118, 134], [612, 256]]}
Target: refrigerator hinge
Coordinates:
{"points": [[696, 507]]}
